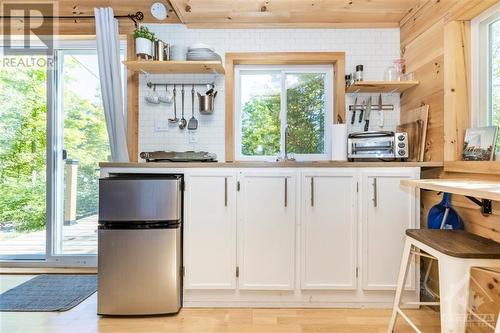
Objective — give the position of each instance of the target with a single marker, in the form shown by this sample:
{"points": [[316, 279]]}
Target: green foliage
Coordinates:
{"points": [[305, 118], [23, 145], [143, 32], [261, 126], [22, 148]]}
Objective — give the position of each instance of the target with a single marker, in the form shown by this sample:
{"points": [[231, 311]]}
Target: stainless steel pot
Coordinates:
{"points": [[161, 51], [207, 103]]}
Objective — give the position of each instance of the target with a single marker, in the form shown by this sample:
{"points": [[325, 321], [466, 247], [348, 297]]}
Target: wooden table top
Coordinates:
{"points": [[457, 243], [480, 189]]}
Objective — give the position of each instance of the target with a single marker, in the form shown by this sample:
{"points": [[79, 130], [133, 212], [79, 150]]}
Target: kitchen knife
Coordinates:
{"points": [[363, 107], [380, 112], [367, 114], [354, 111]]}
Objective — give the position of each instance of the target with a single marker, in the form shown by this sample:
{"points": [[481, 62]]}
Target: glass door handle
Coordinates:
{"points": [[64, 154]]}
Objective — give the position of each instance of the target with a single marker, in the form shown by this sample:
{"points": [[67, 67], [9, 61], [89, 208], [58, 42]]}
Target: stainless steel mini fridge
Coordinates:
{"points": [[139, 244]]}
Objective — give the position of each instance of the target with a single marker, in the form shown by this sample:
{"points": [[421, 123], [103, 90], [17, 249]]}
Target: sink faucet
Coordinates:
{"points": [[285, 157]]}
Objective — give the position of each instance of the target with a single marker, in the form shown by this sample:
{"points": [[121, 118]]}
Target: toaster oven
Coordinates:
{"points": [[377, 145]]}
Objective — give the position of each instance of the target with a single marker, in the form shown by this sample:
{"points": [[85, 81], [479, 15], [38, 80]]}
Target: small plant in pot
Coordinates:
{"points": [[144, 42]]}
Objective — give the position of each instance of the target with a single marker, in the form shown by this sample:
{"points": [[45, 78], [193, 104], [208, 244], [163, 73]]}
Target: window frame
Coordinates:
{"points": [[326, 69], [480, 68]]}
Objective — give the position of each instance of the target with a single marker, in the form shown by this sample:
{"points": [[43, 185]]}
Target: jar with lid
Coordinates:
{"points": [[358, 75], [347, 80]]}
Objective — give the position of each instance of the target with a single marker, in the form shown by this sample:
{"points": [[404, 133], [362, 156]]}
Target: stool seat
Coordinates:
{"points": [[457, 243]]}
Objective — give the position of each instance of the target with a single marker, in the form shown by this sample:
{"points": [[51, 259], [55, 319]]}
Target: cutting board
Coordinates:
{"points": [[415, 115]]}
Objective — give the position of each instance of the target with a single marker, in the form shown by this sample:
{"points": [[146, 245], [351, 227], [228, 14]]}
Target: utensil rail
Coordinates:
{"points": [[151, 84]]}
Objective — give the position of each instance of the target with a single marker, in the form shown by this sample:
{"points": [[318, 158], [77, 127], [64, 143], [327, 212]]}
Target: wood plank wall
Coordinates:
{"points": [[428, 55]]}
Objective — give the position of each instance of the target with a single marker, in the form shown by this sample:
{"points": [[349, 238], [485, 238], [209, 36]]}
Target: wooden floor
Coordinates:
{"points": [[83, 318]]}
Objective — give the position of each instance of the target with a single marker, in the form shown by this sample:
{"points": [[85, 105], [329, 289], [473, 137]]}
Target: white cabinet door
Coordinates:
{"points": [[388, 210], [328, 230], [210, 230], [266, 230]]}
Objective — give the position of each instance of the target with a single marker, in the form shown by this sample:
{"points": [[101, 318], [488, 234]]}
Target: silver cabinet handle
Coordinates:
{"points": [[312, 191], [225, 191], [374, 192], [286, 192]]}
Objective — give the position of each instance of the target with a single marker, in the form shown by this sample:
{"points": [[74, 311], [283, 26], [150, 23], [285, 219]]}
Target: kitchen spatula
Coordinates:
{"points": [[193, 122]]}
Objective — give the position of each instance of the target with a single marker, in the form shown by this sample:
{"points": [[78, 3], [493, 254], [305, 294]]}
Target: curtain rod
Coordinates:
{"points": [[139, 16]]}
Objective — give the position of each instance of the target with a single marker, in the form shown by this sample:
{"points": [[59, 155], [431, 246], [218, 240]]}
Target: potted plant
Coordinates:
{"points": [[144, 42]]}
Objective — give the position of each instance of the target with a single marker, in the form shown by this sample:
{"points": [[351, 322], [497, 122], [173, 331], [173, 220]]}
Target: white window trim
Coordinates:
{"points": [[479, 66], [326, 69]]}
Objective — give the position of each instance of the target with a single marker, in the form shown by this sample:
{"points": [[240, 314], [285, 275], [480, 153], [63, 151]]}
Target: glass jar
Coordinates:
{"points": [[391, 74], [399, 64]]}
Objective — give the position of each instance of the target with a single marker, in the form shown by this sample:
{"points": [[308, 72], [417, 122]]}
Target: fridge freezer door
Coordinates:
{"points": [[132, 200], [139, 271]]}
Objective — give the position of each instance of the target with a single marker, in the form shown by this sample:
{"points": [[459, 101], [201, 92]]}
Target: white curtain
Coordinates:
{"points": [[108, 55]]}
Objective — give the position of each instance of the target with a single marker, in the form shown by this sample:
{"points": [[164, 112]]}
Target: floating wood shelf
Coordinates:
{"points": [[380, 86], [168, 67], [488, 190]]}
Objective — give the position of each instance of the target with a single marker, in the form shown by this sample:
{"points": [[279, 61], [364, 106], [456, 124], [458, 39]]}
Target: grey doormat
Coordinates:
{"points": [[46, 293]]}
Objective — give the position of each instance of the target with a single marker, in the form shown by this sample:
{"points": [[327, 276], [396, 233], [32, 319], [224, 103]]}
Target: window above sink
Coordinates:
{"points": [[283, 106]]}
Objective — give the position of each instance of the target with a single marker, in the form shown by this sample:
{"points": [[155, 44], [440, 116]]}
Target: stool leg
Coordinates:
{"points": [[454, 275], [403, 271]]}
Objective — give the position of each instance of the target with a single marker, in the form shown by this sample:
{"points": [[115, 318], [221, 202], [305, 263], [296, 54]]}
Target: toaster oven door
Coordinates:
{"points": [[371, 148]]}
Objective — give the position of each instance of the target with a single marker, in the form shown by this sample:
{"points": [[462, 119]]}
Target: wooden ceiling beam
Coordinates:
{"points": [[292, 13], [319, 25]]}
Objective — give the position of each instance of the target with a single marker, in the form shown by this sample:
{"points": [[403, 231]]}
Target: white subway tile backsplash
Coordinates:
{"points": [[374, 48]]}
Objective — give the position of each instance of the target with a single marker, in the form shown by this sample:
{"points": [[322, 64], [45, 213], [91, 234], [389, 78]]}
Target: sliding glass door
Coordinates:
{"points": [[55, 136], [85, 144], [23, 181]]}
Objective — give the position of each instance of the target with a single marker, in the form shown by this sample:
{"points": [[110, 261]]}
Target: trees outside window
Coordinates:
{"points": [[271, 99]]}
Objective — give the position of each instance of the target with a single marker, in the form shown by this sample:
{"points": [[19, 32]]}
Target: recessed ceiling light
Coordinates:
{"points": [[159, 11]]}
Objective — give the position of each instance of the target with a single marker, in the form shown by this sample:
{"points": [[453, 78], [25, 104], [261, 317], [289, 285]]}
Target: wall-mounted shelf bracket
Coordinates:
{"points": [[485, 204]]}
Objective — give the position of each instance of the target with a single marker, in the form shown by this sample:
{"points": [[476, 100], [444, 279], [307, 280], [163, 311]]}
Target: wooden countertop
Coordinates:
{"points": [[319, 164], [474, 188]]}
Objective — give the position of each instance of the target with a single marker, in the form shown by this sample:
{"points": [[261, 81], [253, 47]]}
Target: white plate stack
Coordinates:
{"points": [[202, 52]]}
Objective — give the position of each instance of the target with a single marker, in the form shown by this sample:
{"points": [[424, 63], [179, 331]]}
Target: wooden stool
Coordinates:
{"points": [[456, 252]]}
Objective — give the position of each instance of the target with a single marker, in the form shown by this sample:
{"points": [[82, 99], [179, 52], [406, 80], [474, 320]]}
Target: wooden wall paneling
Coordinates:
{"points": [[434, 141], [412, 11], [132, 104], [467, 10], [484, 300], [470, 213], [456, 87], [424, 48], [431, 78], [429, 92], [337, 59], [85, 8], [420, 20]]}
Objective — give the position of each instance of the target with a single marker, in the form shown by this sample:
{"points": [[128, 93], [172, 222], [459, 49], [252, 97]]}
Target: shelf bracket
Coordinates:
{"points": [[485, 204]]}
